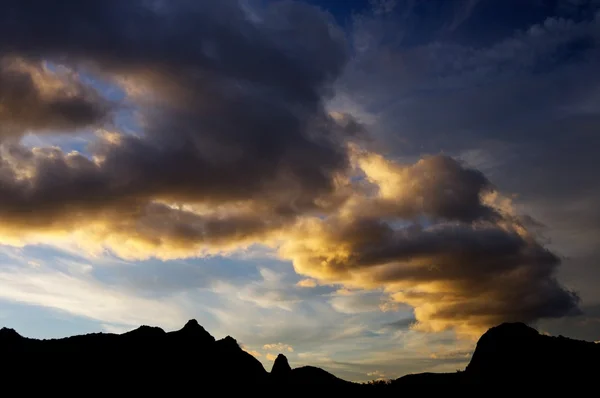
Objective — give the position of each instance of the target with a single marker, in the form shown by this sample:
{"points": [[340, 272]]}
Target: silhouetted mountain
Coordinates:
{"points": [[144, 359], [150, 360], [281, 368], [282, 374], [517, 352], [310, 375], [514, 354]]}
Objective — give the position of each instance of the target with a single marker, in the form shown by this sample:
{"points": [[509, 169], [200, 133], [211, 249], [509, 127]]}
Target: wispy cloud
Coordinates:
{"points": [[85, 297]]}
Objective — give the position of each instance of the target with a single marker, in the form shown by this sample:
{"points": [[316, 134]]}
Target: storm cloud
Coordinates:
{"points": [[236, 147], [35, 98], [230, 118]]}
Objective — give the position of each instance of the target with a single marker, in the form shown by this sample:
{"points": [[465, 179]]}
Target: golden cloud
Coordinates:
{"points": [[433, 235], [235, 150], [279, 347], [308, 283]]}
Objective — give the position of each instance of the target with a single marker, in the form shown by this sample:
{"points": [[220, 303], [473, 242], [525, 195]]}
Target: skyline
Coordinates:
{"points": [[363, 188]]}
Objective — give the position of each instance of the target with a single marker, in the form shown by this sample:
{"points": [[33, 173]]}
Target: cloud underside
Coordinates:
{"points": [[236, 148]]}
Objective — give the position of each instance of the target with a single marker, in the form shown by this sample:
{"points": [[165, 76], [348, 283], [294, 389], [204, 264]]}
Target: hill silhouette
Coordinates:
{"points": [[148, 359], [283, 374]]}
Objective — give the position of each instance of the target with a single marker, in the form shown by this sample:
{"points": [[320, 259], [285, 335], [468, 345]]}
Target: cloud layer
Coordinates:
{"points": [[436, 237], [236, 147]]}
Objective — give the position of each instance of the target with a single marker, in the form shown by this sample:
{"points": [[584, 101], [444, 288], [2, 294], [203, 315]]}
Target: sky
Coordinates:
{"points": [[363, 186]]}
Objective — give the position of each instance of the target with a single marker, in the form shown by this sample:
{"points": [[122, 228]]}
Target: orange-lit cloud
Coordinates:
{"points": [[435, 236], [271, 357], [254, 353], [235, 147], [279, 347], [308, 283]]}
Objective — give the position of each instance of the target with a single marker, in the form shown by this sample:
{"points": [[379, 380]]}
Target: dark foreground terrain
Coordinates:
{"points": [[149, 360]]}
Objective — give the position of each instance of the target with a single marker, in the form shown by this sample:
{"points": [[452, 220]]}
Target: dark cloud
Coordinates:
{"points": [[237, 146], [514, 95], [584, 327], [232, 108], [277, 52], [34, 98]]}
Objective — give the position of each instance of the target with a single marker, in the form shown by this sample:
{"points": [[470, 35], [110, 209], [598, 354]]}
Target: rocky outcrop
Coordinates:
{"points": [[281, 368], [517, 352]]}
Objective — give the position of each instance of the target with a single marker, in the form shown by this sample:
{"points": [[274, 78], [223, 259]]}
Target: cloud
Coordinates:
{"points": [[238, 147], [153, 278], [272, 290], [405, 323], [377, 375], [525, 95], [308, 283], [33, 97], [254, 353], [231, 170], [436, 237], [271, 357], [87, 298], [279, 347], [356, 302]]}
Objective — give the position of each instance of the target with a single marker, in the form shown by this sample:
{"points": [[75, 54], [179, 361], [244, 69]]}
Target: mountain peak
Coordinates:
{"points": [[281, 366], [192, 324], [9, 333]]}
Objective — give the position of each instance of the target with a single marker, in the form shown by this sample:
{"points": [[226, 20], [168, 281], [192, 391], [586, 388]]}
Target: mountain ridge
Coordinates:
{"points": [[512, 352]]}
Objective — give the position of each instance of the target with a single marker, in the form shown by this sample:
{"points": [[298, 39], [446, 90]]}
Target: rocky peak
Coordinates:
{"points": [[6, 333], [193, 331], [281, 366], [191, 325]]}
